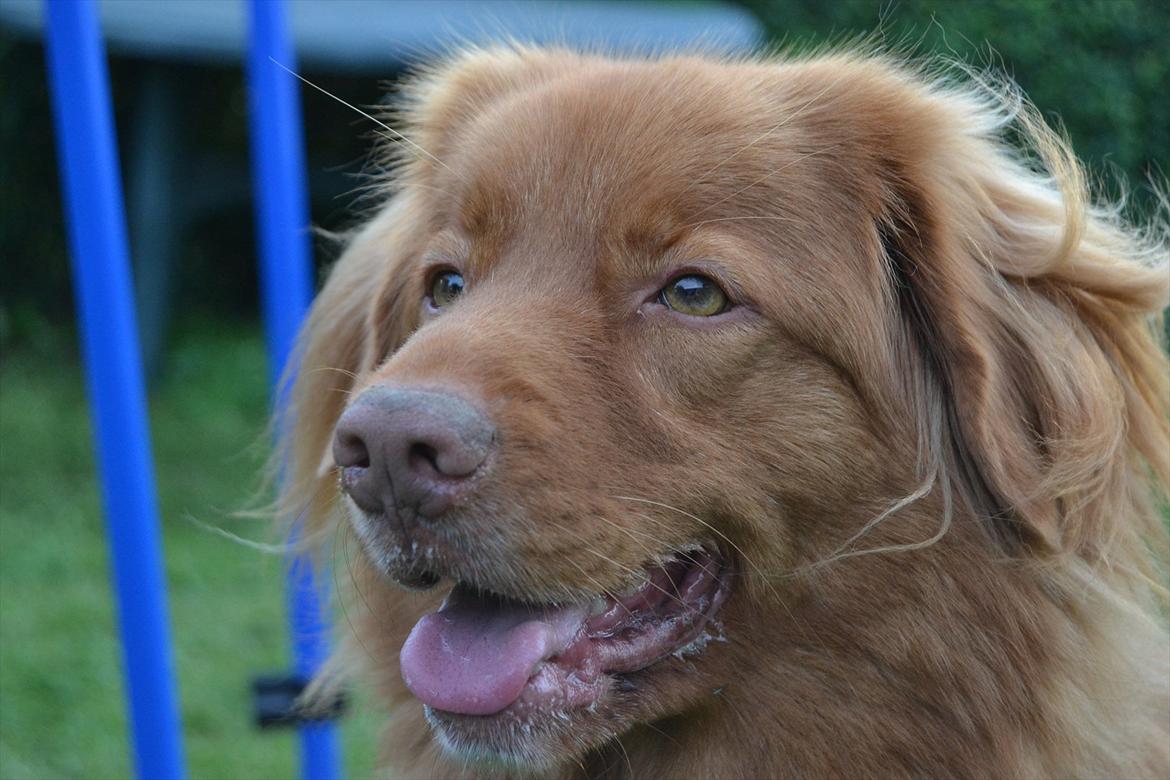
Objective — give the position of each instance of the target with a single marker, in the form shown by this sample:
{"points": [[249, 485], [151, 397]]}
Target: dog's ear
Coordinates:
{"points": [[1033, 316], [355, 321]]}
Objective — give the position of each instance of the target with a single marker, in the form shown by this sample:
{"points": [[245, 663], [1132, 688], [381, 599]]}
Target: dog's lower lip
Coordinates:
{"points": [[483, 655]]}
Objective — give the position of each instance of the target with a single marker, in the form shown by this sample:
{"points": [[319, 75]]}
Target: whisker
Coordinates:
{"points": [[343, 371], [395, 135], [585, 546], [601, 589], [264, 547], [337, 588], [649, 550], [626, 755], [654, 728], [659, 588], [657, 548], [764, 578], [699, 520]]}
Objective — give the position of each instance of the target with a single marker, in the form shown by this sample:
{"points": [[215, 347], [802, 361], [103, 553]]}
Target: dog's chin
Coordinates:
{"points": [[513, 743], [405, 562], [526, 683]]}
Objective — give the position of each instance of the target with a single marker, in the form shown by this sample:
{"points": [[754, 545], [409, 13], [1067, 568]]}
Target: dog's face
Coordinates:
{"points": [[632, 344], [626, 285]]}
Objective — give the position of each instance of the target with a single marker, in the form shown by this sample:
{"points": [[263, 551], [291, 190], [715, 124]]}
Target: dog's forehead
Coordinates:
{"points": [[616, 153]]}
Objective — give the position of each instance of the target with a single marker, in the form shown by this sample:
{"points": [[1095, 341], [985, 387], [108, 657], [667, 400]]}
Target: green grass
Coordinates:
{"points": [[61, 698]]}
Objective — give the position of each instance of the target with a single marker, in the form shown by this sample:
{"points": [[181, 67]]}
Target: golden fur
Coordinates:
{"points": [[936, 444]]}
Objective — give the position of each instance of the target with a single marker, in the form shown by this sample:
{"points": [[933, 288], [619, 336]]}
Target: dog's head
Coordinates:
{"points": [[634, 344]]}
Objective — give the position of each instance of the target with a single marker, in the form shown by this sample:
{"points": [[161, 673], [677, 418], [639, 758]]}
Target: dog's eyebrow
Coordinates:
{"points": [[445, 246], [437, 257]]}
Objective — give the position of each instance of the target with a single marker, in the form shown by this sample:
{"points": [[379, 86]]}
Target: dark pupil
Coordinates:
{"points": [[693, 291], [449, 286]]}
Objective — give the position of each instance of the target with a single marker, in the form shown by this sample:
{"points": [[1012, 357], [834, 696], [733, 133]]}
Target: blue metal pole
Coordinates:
{"points": [[286, 288], [88, 159]]}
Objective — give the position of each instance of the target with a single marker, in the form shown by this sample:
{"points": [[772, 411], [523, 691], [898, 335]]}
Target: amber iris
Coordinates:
{"points": [[695, 295]]}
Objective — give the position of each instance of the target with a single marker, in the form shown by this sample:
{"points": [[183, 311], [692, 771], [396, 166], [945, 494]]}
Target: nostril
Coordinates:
{"points": [[396, 447], [422, 455], [442, 458], [350, 450]]}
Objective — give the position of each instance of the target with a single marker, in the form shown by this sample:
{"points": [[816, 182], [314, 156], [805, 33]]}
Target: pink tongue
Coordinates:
{"points": [[474, 656]]}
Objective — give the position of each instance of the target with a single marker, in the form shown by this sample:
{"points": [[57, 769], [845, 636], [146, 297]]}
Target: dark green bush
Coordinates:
{"points": [[1099, 67]]}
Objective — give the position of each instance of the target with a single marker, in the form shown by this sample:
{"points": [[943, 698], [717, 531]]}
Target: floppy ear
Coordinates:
{"points": [[1034, 318], [354, 322]]}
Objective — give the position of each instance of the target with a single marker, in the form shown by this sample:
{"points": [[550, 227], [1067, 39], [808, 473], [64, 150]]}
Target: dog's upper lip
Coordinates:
{"points": [[481, 653]]}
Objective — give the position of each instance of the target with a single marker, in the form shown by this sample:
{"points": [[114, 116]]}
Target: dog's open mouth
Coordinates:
{"points": [[482, 654]]}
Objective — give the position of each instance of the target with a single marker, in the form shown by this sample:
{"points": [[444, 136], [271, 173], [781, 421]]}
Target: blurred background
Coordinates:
{"points": [[1100, 67]]}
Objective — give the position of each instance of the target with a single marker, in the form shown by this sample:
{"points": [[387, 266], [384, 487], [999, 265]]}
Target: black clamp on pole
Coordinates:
{"points": [[276, 702]]}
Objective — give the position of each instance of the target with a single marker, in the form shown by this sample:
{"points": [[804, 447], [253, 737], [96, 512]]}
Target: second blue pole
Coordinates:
{"points": [[286, 286]]}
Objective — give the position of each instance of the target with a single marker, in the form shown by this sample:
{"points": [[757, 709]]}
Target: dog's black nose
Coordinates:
{"points": [[418, 449]]}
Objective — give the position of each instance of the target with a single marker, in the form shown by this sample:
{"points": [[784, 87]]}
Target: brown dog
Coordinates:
{"points": [[743, 419]]}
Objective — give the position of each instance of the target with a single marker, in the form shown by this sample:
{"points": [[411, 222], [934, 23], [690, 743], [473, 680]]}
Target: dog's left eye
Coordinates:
{"points": [[695, 295], [446, 286]]}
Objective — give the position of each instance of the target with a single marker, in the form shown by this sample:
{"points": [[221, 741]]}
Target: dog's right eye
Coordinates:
{"points": [[446, 286], [695, 295]]}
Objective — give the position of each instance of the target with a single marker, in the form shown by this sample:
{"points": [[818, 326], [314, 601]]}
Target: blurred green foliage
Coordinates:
{"points": [[61, 705], [1099, 67]]}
